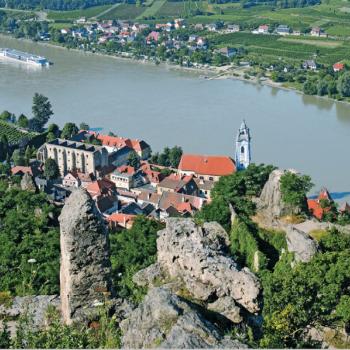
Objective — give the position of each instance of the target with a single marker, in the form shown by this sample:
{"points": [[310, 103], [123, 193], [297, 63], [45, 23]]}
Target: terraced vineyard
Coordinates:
{"points": [[13, 134]]}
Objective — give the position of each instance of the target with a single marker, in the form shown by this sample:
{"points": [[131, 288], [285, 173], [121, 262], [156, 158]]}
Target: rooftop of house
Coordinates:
{"points": [[174, 199], [100, 187], [16, 170], [121, 219], [315, 205], [126, 170], [207, 165], [175, 181]]}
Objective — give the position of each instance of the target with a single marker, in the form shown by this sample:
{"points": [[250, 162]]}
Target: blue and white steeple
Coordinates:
{"points": [[243, 155]]}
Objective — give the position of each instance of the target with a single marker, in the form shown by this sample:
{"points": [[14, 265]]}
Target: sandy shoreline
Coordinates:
{"points": [[211, 73]]}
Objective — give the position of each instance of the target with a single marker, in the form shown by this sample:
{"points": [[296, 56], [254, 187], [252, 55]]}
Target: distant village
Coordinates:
{"points": [[120, 178], [96, 35]]}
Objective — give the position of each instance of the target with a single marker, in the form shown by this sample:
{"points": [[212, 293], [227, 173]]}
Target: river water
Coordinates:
{"points": [[170, 107]]}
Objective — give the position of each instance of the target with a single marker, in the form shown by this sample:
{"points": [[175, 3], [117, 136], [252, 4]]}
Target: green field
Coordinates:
{"points": [[124, 11], [73, 15], [153, 9]]}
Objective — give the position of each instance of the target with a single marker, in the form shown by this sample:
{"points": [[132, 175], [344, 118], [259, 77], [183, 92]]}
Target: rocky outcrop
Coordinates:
{"points": [[164, 320], [301, 244], [198, 255], [27, 183], [270, 202], [34, 307], [85, 266]]}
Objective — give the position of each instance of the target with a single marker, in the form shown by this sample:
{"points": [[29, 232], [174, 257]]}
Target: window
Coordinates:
{"points": [[242, 149], [211, 178]]}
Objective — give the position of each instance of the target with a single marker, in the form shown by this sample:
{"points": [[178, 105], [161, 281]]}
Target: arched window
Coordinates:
{"points": [[242, 149]]}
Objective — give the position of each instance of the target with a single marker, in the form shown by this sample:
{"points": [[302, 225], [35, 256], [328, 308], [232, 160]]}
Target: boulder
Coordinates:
{"points": [[27, 183], [301, 244], [270, 202], [199, 256], [227, 307], [165, 320], [85, 266]]}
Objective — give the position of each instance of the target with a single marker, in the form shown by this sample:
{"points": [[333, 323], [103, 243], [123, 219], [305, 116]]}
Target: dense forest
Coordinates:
{"points": [[54, 4]]}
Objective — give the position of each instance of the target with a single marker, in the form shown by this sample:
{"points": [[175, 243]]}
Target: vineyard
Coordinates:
{"points": [[14, 135]]}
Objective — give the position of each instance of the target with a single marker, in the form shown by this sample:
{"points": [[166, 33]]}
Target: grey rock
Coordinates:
{"points": [[199, 256], [27, 183], [270, 201], [149, 276], [301, 244], [164, 320], [85, 265], [227, 306], [35, 307]]}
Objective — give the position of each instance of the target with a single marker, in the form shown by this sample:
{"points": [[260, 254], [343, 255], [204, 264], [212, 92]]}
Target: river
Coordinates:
{"points": [[168, 107]]}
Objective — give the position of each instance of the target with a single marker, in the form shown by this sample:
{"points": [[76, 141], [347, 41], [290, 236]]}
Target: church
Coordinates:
{"points": [[243, 151]]}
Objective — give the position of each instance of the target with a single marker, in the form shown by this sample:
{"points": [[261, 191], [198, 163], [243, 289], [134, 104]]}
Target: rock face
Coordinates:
{"points": [[27, 183], [270, 201], [164, 320], [301, 244], [199, 257], [85, 265]]}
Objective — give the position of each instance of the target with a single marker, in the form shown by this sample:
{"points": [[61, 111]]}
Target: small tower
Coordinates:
{"points": [[243, 156]]}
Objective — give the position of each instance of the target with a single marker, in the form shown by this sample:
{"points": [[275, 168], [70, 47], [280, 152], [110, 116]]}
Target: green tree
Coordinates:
{"points": [[294, 188], [42, 111], [28, 155], [310, 87], [175, 155], [69, 130], [4, 147], [5, 115], [131, 251], [84, 126], [51, 170], [344, 85], [18, 157], [23, 121], [134, 160]]}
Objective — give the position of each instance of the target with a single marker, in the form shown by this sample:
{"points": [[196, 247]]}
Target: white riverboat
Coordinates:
{"points": [[23, 57]]}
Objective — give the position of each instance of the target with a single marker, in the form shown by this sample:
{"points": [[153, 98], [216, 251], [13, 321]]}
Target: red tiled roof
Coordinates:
{"points": [[126, 169], [100, 187], [120, 218], [338, 66], [315, 207], [207, 165], [22, 169], [119, 142]]}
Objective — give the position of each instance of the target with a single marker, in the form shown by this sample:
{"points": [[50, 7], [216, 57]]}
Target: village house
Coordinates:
{"points": [[77, 179], [227, 52], [204, 187], [262, 29], [101, 187], [337, 67], [282, 30], [209, 168], [119, 221], [318, 207], [317, 31], [74, 156], [21, 170], [212, 27], [232, 28], [178, 183], [310, 64], [179, 23], [124, 177]]}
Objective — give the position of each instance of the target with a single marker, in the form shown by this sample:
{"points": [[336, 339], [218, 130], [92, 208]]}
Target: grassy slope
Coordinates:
{"points": [[153, 9]]}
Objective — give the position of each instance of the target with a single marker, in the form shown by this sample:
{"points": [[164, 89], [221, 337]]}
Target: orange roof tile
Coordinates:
{"points": [[207, 165]]}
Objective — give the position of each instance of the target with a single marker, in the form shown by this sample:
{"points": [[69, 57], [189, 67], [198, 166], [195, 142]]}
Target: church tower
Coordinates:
{"points": [[243, 156]]}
